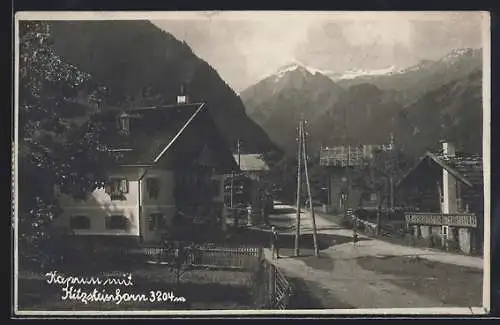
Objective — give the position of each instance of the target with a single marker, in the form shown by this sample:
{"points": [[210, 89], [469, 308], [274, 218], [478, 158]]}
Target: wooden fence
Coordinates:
{"points": [[211, 256], [271, 289], [281, 290]]}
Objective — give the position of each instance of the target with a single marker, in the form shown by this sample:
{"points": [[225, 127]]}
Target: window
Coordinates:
{"points": [[153, 187], [124, 124], [216, 187], [117, 187], [79, 222], [156, 221], [117, 222]]}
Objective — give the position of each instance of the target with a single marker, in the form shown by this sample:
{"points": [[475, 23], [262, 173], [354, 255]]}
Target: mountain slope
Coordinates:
{"points": [[452, 111], [417, 80], [437, 96], [142, 65], [369, 117], [277, 102]]}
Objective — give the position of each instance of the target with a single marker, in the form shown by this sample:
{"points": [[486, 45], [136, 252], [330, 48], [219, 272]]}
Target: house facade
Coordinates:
{"points": [[340, 162], [447, 190], [170, 165], [252, 165]]}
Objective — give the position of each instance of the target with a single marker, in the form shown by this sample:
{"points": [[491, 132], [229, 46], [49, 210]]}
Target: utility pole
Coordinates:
{"points": [[348, 171], [238, 145], [232, 173], [304, 154], [348, 174], [299, 158], [394, 159]]}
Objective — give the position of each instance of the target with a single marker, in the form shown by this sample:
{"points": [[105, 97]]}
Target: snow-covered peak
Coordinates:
{"points": [[295, 65], [423, 64], [355, 73], [456, 54]]}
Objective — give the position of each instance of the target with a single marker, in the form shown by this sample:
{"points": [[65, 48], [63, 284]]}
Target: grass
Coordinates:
{"points": [[202, 289], [311, 296], [451, 284]]}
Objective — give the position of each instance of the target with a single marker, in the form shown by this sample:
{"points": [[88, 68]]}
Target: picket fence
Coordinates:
{"points": [[275, 290], [215, 257]]}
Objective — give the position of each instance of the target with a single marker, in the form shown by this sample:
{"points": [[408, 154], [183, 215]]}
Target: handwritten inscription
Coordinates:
{"points": [[118, 296], [54, 278], [75, 288]]}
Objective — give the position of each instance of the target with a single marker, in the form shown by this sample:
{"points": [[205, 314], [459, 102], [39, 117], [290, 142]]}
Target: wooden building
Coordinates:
{"points": [[339, 161], [447, 184]]}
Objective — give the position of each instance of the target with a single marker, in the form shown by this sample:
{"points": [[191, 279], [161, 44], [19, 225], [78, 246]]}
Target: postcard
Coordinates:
{"points": [[251, 163]]}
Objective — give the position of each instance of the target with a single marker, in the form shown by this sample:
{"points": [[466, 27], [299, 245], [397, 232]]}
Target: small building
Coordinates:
{"points": [[252, 165], [340, 163], [170, 164], [447, 189]]}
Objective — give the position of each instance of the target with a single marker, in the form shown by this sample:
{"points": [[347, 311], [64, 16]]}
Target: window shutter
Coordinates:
{"points": [[161, 221], [151, 222], [124, 185], [117, 222], [153, 187], [157, 187], [80, 222]]}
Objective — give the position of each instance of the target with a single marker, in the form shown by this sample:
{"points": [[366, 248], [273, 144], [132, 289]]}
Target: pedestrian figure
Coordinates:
{"points": [[249, 215], [275, 242], [354, 230]]}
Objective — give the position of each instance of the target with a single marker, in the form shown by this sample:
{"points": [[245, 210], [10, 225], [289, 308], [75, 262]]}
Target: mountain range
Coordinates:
{"points": [[431, 98], [142, 65]]}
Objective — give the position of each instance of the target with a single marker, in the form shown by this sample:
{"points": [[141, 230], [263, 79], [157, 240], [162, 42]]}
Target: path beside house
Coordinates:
{"points": [[377, 274]]}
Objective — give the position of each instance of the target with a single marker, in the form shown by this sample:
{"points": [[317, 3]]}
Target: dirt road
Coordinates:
{"points": [[374, 273]]}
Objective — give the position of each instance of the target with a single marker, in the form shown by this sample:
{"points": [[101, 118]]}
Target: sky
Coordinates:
{"points": [[244, 47]]}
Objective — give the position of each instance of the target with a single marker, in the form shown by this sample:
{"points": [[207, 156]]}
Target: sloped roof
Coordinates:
{"points": [[251, 162], [468, 168], [156, 130]]}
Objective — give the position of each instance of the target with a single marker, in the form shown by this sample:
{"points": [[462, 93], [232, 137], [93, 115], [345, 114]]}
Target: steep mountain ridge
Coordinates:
{"points": [[425, 76], [143, 65], [280, 100], [435, 96]]}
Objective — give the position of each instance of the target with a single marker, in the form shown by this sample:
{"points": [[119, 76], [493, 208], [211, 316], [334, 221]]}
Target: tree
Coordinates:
{"points": [[281, 178], [378, 174], [179, 256], [60, 142]]}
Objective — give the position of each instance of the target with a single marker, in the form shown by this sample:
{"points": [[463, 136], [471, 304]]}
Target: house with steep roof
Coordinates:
{"points": [[252, 165], [170, 164], [446, 184]]}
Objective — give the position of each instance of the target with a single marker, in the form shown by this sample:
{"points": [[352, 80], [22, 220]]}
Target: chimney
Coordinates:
{"points": [[448, 149], [449, 182], [182, 98]]}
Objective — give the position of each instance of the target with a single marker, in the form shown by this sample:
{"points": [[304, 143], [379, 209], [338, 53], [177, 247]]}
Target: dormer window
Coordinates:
{"points": [[182, 98], [124, 123]]}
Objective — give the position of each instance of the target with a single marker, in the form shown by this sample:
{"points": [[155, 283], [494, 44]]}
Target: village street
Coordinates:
{"points": [[374, 273]]}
